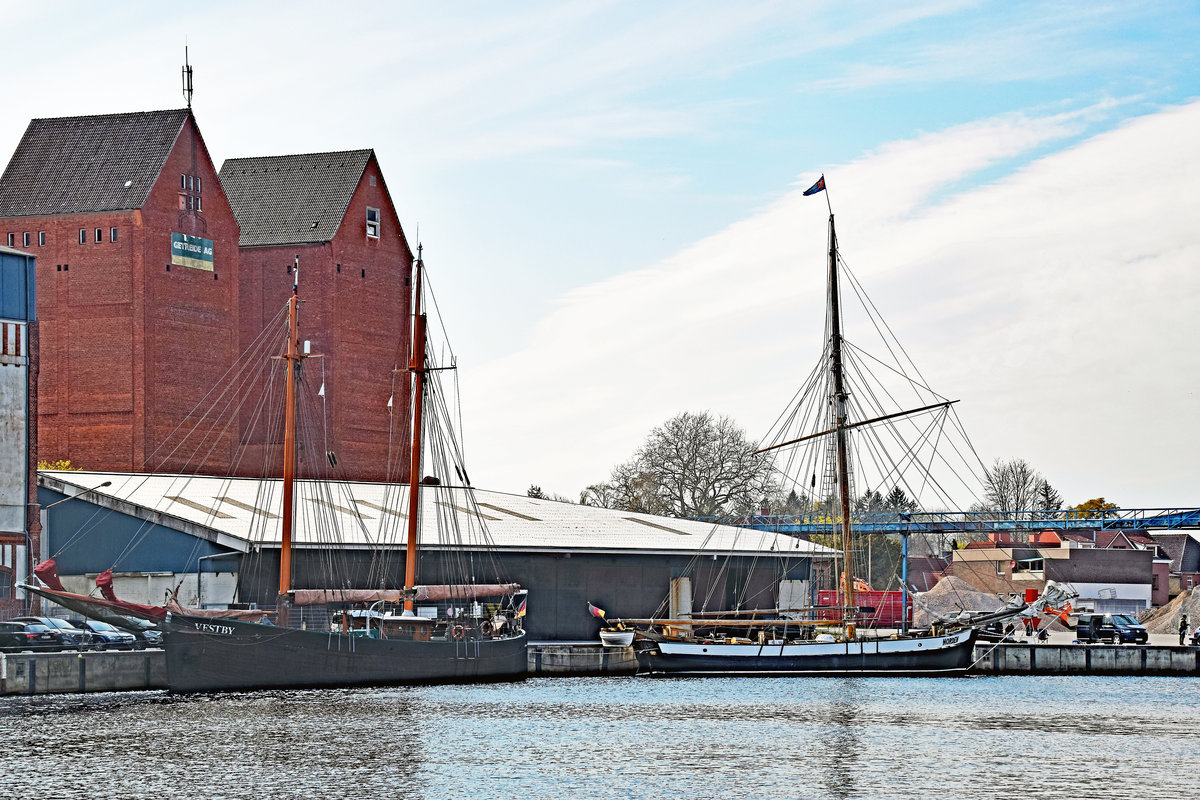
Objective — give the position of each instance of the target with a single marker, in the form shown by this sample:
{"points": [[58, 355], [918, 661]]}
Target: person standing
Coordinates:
{"points": [[1183, 628]]}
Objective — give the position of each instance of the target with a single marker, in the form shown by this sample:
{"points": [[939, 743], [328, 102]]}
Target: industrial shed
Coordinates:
{"points": [[217, 539]]}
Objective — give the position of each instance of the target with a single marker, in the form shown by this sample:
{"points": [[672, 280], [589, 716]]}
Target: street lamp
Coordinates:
{"points": [[80, 494]]}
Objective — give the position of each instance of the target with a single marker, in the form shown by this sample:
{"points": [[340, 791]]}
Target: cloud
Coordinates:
{"points": [[1057, 301]]}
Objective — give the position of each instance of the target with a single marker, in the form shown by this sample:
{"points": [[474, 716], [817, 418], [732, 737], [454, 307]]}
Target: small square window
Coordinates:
{"points": [[12, 240], [83, 235], [41, 238], [58, 267], [25, 239], [66, 267], [373, 222], [112, 234], [99, 235]]}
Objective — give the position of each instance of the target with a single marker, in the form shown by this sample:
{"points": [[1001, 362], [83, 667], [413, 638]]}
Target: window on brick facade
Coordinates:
{"points": [[83, 235], [373, 222], [112, 234], [12, 240], [197, 184], [99, 235], [183, 181], [198, 208], [41, 238], [25, 239]]}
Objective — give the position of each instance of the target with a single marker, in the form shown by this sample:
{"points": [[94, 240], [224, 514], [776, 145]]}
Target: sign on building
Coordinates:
{"points": [[191, 251]]}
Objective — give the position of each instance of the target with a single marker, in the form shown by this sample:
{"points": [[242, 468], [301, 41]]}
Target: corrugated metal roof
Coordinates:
{"points": [[71, 165], [374, 514], [297, 199]]}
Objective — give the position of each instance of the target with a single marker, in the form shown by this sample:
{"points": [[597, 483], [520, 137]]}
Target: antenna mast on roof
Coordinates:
{"points": [[187, 78]]}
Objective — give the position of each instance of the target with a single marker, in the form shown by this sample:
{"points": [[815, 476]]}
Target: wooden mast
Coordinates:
{"points": [[416, 365], [839, 416], [293, 358]]}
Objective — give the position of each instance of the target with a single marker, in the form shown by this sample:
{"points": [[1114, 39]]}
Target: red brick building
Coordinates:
{"points": [[137, 281], [333, 212]]}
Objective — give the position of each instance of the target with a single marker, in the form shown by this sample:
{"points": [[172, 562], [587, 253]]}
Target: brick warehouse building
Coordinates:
{"points": [[137, 280], [333, 212]]}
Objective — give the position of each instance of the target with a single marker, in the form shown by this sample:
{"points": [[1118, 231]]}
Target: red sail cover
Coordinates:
{"points": [[47, 573], [104, 581]]}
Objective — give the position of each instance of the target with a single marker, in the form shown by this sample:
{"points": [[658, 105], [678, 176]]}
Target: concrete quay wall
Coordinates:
{"points": [[1080, 659], [53, 673], [579, 658]]}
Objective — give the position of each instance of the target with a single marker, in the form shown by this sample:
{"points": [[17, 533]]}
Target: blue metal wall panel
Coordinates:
{"points": [[17, 285], [86, 538]]}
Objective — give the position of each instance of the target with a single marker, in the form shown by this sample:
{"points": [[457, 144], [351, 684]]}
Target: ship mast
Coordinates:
{"points": [[293, 358], [416, 365], [840, 426]]}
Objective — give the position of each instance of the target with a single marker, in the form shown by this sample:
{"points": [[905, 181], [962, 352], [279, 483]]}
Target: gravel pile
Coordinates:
{"points": [[1166, 619], [948, 596]]}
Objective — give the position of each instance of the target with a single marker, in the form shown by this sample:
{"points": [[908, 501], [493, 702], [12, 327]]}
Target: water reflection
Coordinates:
{"points": [[839, 752], [564, 739]]}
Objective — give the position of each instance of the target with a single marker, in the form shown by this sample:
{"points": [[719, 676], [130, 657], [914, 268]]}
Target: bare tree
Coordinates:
{"points": [[1012, 485], [693, 465]]}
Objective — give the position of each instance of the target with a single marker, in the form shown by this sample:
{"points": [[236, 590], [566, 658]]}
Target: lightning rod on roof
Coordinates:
{"points": [[187, 78]]}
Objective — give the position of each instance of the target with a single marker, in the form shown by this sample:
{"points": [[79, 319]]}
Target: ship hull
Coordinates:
{"points": [[937, 655], [205, 655]]}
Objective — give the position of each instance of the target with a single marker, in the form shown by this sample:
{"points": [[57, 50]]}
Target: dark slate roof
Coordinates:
{"points": [[1182, 548], [277, 199], [71, 165]]}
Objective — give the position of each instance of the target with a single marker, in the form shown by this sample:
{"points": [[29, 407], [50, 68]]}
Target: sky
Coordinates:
{"points": [[609, 197]]}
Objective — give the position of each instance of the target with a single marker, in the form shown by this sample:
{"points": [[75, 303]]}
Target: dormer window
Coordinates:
{"points": [[373, 222]]}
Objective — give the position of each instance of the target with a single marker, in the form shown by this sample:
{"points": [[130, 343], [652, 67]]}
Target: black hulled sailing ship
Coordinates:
{"points": [[459, 631], [808, 640]]}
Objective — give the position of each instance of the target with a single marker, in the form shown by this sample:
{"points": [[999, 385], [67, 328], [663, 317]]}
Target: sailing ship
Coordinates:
{"points": [[465, 631], [804, 638]]}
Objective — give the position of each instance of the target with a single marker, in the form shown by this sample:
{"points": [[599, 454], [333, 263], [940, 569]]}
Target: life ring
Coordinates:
{"points": [[458, 631], [485, 628]]}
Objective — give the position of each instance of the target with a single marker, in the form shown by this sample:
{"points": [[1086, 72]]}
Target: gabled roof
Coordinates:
{"points": [[72, 165], [243, 511], [299, 199]]}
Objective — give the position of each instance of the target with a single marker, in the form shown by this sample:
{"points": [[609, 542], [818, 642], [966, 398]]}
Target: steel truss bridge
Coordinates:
{"points": [[1122, 519]]}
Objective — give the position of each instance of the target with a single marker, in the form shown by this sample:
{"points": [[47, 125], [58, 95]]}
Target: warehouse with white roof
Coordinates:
{"points": [[216, 541]]}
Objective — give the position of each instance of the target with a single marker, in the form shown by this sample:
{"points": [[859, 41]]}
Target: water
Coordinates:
{"points": [[577, 738]]}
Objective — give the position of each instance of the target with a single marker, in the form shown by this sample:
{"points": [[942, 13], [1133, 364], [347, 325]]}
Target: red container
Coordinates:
{"points": [[877, 609]]}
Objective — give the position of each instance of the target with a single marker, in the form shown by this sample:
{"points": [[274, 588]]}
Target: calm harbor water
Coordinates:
{"points": [[618, 738]]}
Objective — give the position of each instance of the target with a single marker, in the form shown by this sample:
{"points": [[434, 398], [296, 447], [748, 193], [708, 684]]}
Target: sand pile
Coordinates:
{"points": [[1166, 619], [948, 596]]}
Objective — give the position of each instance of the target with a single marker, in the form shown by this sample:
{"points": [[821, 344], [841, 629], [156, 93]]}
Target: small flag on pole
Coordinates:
{"points": [[521, 605], [819, 186], [596, 612]]}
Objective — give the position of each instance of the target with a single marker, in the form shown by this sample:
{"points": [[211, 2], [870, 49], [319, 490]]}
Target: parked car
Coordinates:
{"points": [[18, 636], [1115, 628], [109, 637], [71, 636], [151, 637], [1196, 637]]}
